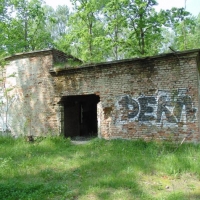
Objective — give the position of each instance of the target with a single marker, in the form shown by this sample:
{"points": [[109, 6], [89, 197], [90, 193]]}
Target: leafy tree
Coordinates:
{"points": [[57, 21], [195, 34], [115, 28], [143, 27], [57, 26], [86, 30], [24, 29], [6, 99], [96, 30], [187, 34], [3, 19], [182, 32]]}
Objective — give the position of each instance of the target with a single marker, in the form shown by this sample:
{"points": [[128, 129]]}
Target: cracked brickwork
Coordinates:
{"points": [[150, 98]]}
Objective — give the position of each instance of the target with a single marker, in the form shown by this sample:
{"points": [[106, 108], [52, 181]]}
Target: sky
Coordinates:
{"points": [[192, 6]]}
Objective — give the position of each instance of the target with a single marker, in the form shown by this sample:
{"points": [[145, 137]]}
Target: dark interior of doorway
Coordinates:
{"points": [[80, 116]]}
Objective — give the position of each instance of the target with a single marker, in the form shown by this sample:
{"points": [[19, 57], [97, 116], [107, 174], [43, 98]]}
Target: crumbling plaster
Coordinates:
{"points": [[150, 98]]}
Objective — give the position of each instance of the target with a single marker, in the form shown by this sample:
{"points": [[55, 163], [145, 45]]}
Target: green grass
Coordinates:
{"points": [[54, 168]]}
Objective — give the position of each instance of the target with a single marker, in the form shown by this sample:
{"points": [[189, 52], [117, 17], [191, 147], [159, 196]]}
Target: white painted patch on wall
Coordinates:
{"points": [[165, 109]]}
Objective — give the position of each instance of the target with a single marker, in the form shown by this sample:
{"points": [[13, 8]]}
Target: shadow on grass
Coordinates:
{"points": [[97, 170], [193, 196]]}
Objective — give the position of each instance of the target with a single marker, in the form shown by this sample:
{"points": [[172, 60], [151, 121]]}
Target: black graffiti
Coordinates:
{"points": [[190, 111], [146, 111], [144, 108], [162, 108], [130, 105]]}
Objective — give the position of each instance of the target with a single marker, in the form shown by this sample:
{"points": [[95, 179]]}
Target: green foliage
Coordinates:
{"points": [[144, 28], [96, 30], [57, 25], [86, 31], [54, 168], [184, 32], [23, 26], [114, 25], [64, 65], [187, 34]]}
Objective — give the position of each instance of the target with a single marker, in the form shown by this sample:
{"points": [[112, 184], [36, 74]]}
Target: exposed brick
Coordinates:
{"points": [[150, 98]]}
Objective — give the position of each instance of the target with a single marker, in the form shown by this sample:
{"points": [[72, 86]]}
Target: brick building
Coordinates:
{"points": [[151, 98]]}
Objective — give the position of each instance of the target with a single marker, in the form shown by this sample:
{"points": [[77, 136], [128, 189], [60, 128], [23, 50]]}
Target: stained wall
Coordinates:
{"points": [[33, 108], [150, 98]]}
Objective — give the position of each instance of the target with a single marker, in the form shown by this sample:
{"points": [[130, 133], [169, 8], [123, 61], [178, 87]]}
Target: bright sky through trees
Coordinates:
{"points": [[192, 6], [99, 30]]}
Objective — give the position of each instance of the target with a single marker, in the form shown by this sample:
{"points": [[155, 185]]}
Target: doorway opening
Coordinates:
{"points": [[80, 116]]}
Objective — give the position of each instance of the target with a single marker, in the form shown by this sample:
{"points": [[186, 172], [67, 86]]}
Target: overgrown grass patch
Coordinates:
{"points": [[54, 168]]}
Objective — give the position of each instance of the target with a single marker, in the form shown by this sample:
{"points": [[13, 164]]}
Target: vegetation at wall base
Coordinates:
{"points": [[55, 168]]}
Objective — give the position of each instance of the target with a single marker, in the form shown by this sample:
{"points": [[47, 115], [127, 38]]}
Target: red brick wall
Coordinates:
{"points": [[153, 98]]}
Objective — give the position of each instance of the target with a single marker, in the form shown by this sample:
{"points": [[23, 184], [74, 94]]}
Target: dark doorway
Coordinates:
{"points": [[80, 115]]}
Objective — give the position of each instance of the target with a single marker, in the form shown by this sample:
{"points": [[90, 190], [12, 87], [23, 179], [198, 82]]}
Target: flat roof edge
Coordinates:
{"points": [[51, 50], [24, 54], [90, 65], [143, 58]]}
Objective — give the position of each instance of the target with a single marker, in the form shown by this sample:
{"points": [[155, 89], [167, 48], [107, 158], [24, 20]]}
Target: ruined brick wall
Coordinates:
{"points": [[33, 110], [152, 98], [198, 73]]}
